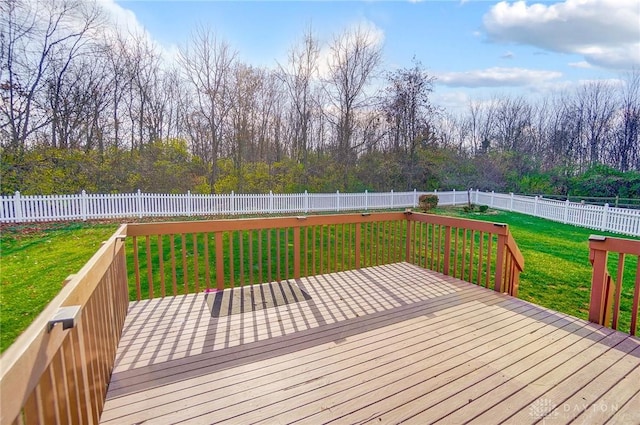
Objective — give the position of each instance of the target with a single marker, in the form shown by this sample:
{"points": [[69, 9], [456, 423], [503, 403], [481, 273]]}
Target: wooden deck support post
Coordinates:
{"points": [[600, 281], [500, 254], [409, 240]]}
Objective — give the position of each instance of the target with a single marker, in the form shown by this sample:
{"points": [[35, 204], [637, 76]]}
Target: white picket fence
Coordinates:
{"points": [[604, 218], [84, 206]]}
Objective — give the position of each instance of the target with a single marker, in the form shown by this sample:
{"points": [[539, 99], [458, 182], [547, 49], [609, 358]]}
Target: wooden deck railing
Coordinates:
{"points": [[59, 372], [607, 293], [227, 253], [475, 251]]}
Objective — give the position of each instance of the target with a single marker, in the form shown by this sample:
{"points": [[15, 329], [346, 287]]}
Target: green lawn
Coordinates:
{"points": [[35, 260], [557, 271]]}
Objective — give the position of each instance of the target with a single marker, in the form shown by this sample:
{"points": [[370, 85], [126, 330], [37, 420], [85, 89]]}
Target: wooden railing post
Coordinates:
{"points": [[500, 253], [409, 239], [447, 249], [599, 280]]}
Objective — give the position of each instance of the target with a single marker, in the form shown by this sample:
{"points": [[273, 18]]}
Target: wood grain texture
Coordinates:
{"points": [[385, 344]]}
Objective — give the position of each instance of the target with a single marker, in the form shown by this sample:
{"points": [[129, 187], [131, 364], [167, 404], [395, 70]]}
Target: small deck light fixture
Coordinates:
{"points": [[68, 316]]}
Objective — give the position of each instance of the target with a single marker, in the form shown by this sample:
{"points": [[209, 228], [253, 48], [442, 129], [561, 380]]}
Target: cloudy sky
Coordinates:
{"points": [[474, 48]]}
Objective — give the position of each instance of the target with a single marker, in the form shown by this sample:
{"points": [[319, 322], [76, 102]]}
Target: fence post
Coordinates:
{"points": [[454, 198], [17, 207], [306, 202], [232, 203], [566, 212], [139, 203], [189, 206], [492, 193], [337, 200], [535, 206], [415, 198], [477, 195], [511, 205], [83, 205], [391, 198], [605, 216], [366, 200], [270, 202]]}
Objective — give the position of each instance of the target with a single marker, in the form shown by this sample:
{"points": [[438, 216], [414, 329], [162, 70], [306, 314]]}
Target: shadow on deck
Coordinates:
{"points": [[384, 344]]}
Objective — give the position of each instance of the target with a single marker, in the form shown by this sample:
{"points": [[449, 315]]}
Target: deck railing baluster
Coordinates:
{"points": [[196, 274], [161, 267], [185, 274]]}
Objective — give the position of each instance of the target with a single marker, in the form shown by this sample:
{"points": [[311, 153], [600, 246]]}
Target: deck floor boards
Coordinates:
{"points": [[385, 344]]}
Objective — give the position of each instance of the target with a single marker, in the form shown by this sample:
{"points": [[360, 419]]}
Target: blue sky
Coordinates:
{"points": [[474, 48]]}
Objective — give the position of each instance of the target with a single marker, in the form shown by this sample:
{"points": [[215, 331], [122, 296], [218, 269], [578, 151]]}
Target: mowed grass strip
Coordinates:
{"points": [[35, 261]]}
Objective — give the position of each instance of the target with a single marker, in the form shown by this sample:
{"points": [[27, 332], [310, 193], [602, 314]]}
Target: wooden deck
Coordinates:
{"points": [[384, 344]]}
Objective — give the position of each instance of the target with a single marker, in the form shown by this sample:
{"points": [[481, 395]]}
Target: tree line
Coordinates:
{"points": [[87, 107]]}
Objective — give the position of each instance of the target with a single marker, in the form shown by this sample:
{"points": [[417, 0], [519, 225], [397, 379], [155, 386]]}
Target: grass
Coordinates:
{"points": [[35, 260], [557, 271]]}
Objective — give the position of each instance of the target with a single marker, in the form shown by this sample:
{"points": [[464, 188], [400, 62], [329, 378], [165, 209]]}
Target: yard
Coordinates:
{"points": [[36, 259]]}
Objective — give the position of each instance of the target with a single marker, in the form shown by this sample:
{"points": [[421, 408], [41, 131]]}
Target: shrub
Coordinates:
{"points": [[483, 208], [469, 208], [428, 202]]}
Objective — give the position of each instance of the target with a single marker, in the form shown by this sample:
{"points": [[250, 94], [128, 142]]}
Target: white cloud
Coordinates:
{"points": [[496, 77], [605, 32], [121, 19], [581, 64], [452, 101], [124, 21]]}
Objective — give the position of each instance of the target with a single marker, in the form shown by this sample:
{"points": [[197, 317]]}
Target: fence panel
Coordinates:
{"points": [[603, 218], [22, 209]]}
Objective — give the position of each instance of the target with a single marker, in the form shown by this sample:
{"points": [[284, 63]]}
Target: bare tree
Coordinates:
{"points": [[409, 113], [298, 77], [355, 57], [207, 64], [512, 118], [626, 149], [596, 104], [142, 70], [41, 40]]}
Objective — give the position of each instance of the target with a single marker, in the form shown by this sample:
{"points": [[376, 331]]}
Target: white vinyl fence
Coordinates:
{"points": [[603, 218], [84, 206]]}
